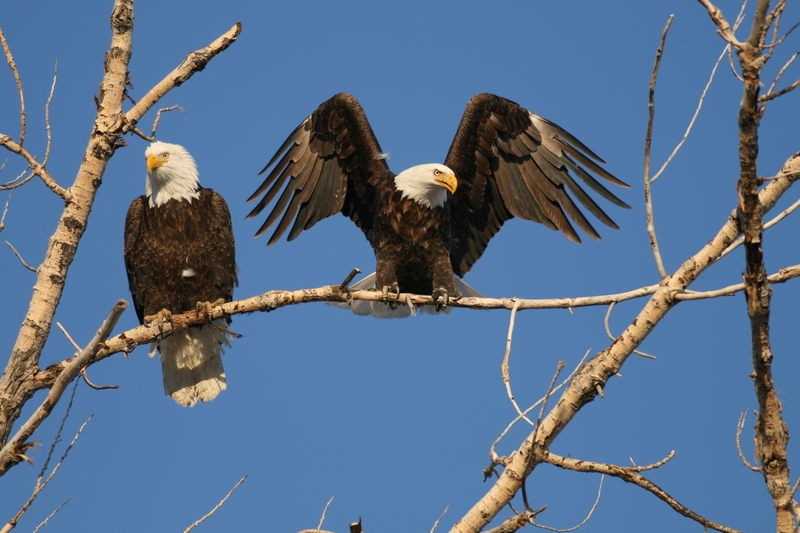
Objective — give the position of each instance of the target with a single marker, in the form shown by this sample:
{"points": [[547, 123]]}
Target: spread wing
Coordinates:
{"points": [[331, 163], [513, 163]]}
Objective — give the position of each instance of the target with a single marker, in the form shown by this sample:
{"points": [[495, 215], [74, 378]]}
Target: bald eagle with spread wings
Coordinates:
{"points": [[432, 221], [180, 256]]}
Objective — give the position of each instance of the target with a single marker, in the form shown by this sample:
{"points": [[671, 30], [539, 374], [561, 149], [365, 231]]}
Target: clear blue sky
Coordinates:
{"points": [[395, 418]]}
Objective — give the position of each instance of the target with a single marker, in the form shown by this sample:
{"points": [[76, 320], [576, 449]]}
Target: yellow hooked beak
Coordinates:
{"points": [[448, 181], [155, 161]]}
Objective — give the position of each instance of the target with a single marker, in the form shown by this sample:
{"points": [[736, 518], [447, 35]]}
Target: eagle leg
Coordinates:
{"points": [[394, 288], [208, 307], [165, 315], [441, 298]]}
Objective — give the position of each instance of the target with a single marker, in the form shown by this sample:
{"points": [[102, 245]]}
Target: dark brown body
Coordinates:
{"points": [[162, 243], [410, 246]]}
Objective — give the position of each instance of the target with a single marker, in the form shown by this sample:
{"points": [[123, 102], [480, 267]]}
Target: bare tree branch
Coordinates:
{"points": [[611, 336], [583, 387], [497, 460], [216, 507], [41, 483], [629, 475], [21, 260], [37, 168], [9, 455], [739, 428], [324, 512], [13, 66], [504, 368], [771, 431], [588, 516], [194, 62], [5, 212], [51, 515], [436, 524], [47, 116], [152, 136], [648, 198]]}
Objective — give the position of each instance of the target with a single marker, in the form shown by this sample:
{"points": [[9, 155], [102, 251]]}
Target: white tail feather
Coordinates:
{"points": [[191, 362], [384, 310]]}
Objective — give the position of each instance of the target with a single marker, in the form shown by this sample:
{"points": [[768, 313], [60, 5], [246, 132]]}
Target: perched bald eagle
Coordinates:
{"points": [[432, 221], [179, 255]]}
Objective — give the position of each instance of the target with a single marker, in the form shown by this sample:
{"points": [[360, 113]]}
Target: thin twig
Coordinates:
{"points": [[46, 520], [776, 79], [781, 276], [652, 466], [492, 453], [5, 211], [739, 428], [21, 260], [15, 183], [214, 510], [630, 476], [158, 117], [13, 66], [648, 138], [518, 521], [83, 370], [435, 524], [588, 516], [66, 334], [92, 385], [504, 368], [694, 116], [57, 438], [346, 283], [324, 511], [533, 454], [37, 168], [47, 115], [152, 136], [765, 98], [410, 305], [613, 337]]}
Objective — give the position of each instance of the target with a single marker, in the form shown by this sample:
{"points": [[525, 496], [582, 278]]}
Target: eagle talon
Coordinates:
{"points": [[394, 289], [165, 315], [440, 293], [208, 307]]}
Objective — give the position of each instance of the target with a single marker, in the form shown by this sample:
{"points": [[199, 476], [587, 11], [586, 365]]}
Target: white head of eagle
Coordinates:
{"points": [[427, 184], [171, 174]]}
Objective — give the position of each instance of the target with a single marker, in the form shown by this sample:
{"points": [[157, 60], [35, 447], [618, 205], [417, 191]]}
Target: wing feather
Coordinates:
{"points": [[327, 165], [511, 162]]}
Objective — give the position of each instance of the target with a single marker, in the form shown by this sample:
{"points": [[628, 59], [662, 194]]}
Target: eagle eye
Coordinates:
{"points": [[165, 155], [436, 172]]}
